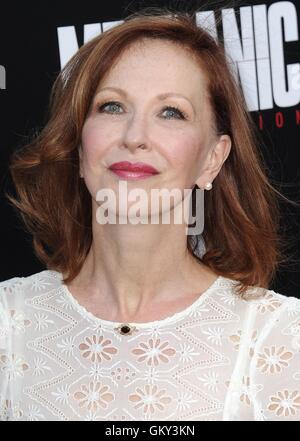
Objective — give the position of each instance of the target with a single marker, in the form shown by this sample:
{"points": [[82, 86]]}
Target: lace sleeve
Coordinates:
{"points": [[275, 367], [4, 319], [9, 321], [4, 347]]}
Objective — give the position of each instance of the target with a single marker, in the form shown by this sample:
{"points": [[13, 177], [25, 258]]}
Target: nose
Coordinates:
{"points": [[135, 135]]}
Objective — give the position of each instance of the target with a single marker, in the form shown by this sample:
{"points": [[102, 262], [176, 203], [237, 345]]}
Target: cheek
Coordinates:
{"points": [[94, 139], [185, 150]]}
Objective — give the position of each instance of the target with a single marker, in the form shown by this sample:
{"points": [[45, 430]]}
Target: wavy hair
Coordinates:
{"points": [[242, 214]]}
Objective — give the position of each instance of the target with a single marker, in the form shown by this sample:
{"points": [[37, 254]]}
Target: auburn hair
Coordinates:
{"points": [[242, 214]]}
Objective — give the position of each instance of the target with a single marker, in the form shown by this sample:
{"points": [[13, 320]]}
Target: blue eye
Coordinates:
{"points": [[114, 104], [181, 114]]}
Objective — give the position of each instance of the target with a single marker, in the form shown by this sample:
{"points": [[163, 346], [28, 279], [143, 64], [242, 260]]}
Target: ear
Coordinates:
{"points": [[216, 157]]}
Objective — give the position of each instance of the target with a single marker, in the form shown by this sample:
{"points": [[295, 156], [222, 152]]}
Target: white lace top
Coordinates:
{"points": [[222, 358]]}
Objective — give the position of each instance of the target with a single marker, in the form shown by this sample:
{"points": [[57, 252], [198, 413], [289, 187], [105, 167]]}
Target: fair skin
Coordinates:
{"points": [[141, 273]]}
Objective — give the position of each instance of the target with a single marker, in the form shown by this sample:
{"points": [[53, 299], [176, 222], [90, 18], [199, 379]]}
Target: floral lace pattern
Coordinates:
{"points": [[222, 358]]}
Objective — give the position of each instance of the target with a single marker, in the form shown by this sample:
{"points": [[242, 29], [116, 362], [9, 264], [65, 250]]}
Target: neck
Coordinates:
{"points": [[131, 268]]}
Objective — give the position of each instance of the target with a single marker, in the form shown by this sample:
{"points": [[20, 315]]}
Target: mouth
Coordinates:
{"points": [[133, 171]]}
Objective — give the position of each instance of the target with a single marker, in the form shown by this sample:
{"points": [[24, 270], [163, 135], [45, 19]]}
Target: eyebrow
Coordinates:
{"points": [[161, 96]]}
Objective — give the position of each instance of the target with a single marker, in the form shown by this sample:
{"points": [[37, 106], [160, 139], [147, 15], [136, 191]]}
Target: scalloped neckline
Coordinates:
{"points": [[164, 321]]}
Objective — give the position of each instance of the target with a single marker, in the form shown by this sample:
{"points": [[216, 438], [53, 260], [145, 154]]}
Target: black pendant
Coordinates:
{"points": [[125, 329]]}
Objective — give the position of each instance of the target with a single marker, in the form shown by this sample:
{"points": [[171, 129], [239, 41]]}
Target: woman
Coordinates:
{"points": [[128, 322]]}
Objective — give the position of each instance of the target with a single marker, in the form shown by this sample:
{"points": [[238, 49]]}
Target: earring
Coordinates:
{"points": [[208, 186]]}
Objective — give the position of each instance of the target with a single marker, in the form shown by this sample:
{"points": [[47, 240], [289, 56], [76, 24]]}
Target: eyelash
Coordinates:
{"points": [[182, 114]]}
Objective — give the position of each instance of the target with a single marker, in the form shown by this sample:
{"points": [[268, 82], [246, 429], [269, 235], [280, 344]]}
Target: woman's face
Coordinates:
{"points": [[138, 125]]}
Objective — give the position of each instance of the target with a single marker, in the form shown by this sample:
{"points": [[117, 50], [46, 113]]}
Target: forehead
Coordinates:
{"points": [[157, 65]]}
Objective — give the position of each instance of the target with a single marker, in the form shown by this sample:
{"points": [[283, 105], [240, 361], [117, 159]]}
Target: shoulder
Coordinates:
{"points": [[24, 302], [275, 321], [274, 310], [266, 302], [33, 278], [265, 310], [267, 295], [272, 304], [14, 291]]}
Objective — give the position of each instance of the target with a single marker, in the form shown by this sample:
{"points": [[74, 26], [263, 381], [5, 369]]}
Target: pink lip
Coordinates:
{"points": [[132, 175], [137, 167]]}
